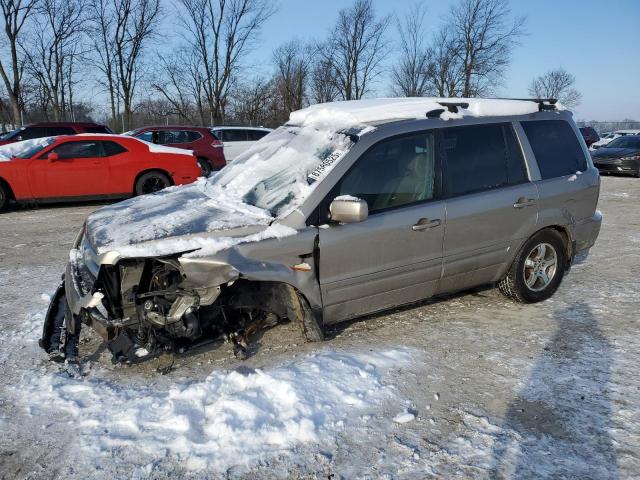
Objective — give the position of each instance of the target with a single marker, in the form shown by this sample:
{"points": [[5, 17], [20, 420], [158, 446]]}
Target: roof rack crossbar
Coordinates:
{"points": [[543, 103], [453, 106]]}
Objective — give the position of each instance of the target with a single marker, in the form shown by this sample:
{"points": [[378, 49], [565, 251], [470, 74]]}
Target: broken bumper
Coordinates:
{"points": [[586, 232]]}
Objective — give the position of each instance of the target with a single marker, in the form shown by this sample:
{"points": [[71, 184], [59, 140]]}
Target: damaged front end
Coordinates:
{"points": [[142, 307]]}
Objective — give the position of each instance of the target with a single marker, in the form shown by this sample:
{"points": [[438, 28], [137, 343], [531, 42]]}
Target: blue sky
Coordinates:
{"points": [[597, 41]]}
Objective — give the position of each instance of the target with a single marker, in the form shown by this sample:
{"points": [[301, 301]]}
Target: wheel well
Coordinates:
{"points": [[566, 240], [159, 170], [5, 184]]}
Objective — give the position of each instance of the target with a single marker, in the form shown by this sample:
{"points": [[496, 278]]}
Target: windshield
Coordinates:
{"points": [[627, 141], [10, 135], [25, 149], [280, 171]]}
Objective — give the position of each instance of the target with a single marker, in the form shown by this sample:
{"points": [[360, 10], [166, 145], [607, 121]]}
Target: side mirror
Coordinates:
{"points": [[52, 157], [347, 209], [19, 138]]}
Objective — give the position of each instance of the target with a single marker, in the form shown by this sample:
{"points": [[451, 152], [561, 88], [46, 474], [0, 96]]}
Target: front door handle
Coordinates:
{"points": [[425, 223], [524, 202]]}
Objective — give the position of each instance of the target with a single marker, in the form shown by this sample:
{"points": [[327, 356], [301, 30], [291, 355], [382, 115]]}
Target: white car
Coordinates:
{"points": [[238, 139], [607, 137]]}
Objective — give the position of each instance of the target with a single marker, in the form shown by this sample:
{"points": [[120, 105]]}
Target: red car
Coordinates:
{"points": [[51, 129], [88, 166], [204, 144]]}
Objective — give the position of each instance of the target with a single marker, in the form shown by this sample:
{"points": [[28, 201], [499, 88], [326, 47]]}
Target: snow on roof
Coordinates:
{"points": [[354, 112]]}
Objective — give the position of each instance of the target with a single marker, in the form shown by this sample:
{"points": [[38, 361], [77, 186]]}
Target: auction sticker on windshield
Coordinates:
{"points": [[325, 166]]}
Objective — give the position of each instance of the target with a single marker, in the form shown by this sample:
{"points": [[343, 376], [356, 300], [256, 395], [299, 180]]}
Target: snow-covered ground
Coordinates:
{"points": [[471, 386]]}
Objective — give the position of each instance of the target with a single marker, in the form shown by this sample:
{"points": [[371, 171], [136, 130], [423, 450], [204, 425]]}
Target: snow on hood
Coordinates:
{"points": [[356, 112], [10, 150], [172, 212]]}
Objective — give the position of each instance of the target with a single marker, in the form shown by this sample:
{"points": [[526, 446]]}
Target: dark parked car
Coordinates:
{"points": [[590, 135], [621, 155], [51, 129], [205, 145]]}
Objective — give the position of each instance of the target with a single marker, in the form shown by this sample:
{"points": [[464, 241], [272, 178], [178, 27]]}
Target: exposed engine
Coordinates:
{"points": [[146, 306]]}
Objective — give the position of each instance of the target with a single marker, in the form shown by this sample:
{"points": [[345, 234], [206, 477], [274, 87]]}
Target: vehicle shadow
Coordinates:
{"points": [[558, 424]]}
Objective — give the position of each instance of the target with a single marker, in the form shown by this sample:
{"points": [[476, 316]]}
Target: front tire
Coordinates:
{"points": [[537, 270], [4, 196], [151, 182]]}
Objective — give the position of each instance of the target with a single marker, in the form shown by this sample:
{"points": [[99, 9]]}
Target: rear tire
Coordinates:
{"points": [[4, 196], [151, 182], [537, 270]]}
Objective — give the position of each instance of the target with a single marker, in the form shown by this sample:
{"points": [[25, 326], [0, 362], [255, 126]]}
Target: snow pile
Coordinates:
{"points": [[227, 420], [356, 112], [7, 152]]}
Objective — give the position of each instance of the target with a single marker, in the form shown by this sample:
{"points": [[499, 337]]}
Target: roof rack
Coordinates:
{"points": [[451, 106], [543, 103]]}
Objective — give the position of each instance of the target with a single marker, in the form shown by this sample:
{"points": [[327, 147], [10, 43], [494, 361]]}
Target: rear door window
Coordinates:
{"points": [[172, 137], [234, 135], [97, 129], [556, 148], [481, 157], [53, 131]]}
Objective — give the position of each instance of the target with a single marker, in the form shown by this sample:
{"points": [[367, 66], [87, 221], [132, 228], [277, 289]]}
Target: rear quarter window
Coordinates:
{"points": [[556, 147]]}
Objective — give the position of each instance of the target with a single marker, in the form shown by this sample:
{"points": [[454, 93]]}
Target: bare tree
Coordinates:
{"points": [[557, 84], [356, 49], [181, 84], [221, 32], [485, 39], [410, 74], [445, 74], [15, 14], [293, 68], [256, 103], [323, 82], [50, 52], [121, 31]]}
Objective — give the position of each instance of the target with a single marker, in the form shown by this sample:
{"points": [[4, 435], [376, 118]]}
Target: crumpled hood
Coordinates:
{"points": [[168, 219]]}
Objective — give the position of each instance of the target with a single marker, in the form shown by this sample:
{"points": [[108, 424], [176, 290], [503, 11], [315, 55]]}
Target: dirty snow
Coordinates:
{"points": [[229, 418], [498, 389], [10, 150]]}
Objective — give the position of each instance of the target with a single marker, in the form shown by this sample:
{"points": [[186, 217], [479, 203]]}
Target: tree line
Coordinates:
{"points": [[54, 51]]}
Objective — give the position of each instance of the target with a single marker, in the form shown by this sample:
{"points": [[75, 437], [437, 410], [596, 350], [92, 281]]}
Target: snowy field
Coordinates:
{"points": [[471, 386]]}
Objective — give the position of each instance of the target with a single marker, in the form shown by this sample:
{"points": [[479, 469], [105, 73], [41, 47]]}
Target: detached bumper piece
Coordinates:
{"points": [[56, 340]]}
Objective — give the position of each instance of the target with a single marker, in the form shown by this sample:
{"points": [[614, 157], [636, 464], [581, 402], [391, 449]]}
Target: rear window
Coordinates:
{"points": [[481, 157], [556, 147], [256, 134]]}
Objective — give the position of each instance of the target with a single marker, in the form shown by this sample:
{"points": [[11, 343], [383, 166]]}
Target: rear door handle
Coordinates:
{"points": [[425, 223], [524, 202]]}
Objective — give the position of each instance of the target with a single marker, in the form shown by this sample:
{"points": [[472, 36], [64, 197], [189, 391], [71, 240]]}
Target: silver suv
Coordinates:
{"points": [[350, 208]]}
